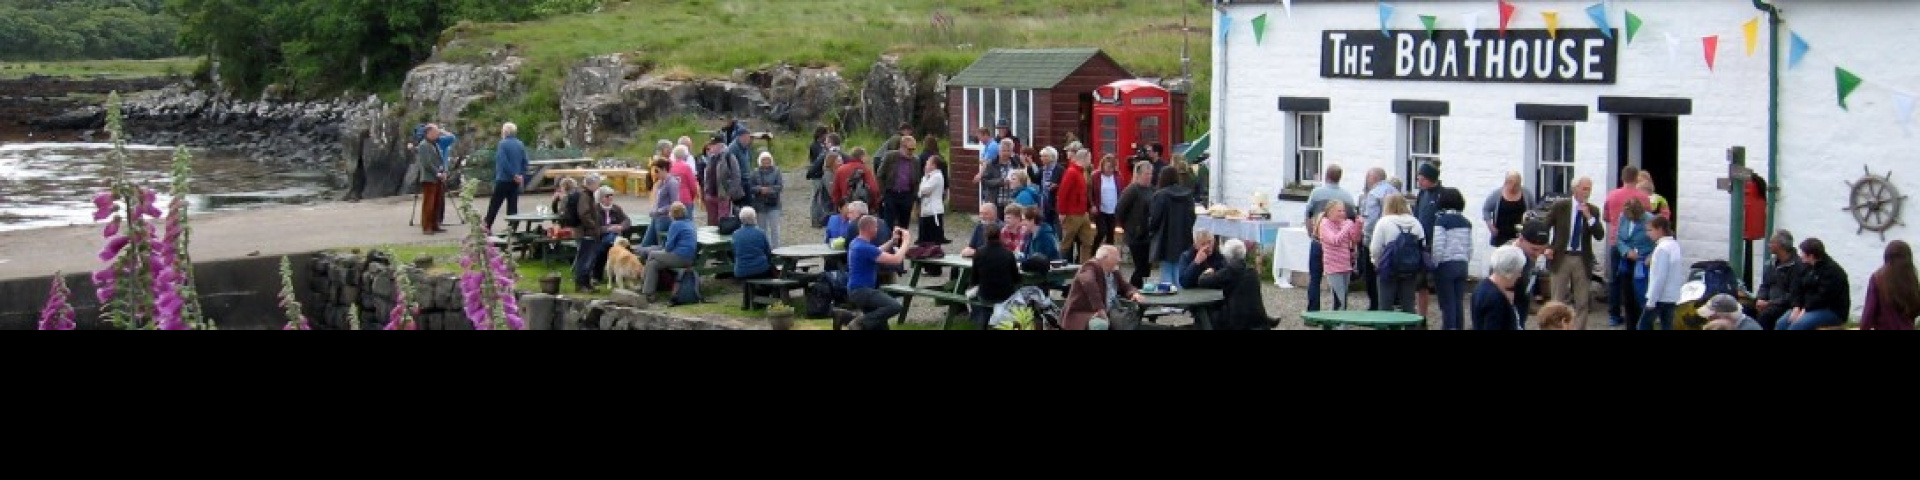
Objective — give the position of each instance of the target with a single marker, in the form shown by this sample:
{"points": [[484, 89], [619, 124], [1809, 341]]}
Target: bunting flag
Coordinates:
{"points": [[1429, 21], [1472, 21], [1506, 16], [1712, 45], [1752, 29], [1386, 13], [1259, 29], [1553, 23], [1598, 12], [1903, 107], [1848, 82], [1289, 6], [1797, 52], [1633, 26]]}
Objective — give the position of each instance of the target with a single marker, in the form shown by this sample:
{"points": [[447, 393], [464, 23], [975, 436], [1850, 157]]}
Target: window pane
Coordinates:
{"points": [[1148, 130], [1309, 168], [1433, 134], [1549, 143], [1004, 111], [1422, 137], [1310, 131], [1566, 143], [1109, 132]]}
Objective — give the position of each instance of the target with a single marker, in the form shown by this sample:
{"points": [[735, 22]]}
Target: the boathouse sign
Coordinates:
{"points": [[1573, 56]]}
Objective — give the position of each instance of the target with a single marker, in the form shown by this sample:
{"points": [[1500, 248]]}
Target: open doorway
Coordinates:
{"points": [[1652, 143]]}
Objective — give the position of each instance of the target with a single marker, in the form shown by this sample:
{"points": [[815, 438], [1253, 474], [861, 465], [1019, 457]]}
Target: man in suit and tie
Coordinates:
{"points": [[1576, 226]]}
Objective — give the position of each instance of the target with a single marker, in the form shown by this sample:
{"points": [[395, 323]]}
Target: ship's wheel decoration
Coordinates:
{"points": [[1875, 203]]}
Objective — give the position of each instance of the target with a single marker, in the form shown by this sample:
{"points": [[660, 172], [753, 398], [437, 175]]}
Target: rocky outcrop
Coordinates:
{"points": [[443, 91], [268, 130], [373, 144], [608, 97], [887, 97]]}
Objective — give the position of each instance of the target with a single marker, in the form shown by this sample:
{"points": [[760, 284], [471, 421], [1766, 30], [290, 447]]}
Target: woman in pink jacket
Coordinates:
{"points": [[1338, 235]]}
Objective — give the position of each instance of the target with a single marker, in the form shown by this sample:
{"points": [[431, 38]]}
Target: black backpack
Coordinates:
{"points": [[1405, 256], [570, 211], [819, 298], [857, 187]]}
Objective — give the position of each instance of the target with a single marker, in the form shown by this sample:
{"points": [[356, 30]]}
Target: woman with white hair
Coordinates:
{"points": [[1493, 306], [752, 251], [1245, 307], [764, 196]]}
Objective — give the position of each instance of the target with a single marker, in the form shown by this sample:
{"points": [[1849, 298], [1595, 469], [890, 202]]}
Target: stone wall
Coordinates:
{"points": [[342, 282]]}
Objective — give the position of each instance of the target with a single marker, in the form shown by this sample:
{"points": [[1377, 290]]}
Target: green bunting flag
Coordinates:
{"points": [[1259, 28], [1633, 26], [1429, 21], [1848, 83]]}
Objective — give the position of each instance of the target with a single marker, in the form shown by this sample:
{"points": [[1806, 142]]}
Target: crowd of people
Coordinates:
{"points": [[1407, 251], [1042, 204]]}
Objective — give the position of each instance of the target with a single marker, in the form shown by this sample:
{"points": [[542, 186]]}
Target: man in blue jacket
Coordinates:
{"points": [[509, 173]]}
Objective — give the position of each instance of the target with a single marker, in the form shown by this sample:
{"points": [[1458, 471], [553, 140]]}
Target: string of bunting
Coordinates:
{"points": [[1846, 82]]}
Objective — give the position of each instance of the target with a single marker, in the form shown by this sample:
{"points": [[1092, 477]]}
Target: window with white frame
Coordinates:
{"points": [[1423, 145], [1308, 148], [1554, 159], [982, 107]]}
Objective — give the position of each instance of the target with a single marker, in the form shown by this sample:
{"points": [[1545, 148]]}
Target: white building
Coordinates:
{"points": [[1324, 82]]}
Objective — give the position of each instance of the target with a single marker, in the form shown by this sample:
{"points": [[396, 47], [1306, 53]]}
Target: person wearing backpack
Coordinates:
{"points": [[586, 220], [854, 169], [1399, 249]]}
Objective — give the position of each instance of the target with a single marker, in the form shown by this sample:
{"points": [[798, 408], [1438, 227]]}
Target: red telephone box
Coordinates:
{"points": [[1131, 112]]}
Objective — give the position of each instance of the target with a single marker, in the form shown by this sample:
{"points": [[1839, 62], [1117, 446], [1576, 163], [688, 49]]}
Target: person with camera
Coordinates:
{"points": [[863, 276]]}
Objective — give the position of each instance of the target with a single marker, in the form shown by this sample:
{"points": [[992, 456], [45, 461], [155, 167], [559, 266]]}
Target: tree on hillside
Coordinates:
{"points": [[317, 47]]}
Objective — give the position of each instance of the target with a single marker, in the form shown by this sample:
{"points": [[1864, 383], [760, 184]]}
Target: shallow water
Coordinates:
{"points": [[52, 184]]}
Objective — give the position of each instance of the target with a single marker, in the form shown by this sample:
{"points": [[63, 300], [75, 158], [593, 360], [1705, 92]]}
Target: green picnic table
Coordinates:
{"points": [[1331, 319], [954, 293], [1199, 303]]}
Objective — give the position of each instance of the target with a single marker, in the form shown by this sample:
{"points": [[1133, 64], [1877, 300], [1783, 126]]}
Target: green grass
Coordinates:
{"points": [[711, 38], [108, 68]]}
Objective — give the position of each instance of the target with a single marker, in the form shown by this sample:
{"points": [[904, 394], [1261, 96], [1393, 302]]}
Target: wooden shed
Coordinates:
{"points": [[1043, 94]]}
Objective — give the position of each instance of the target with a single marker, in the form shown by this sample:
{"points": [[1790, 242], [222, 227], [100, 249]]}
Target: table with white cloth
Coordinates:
{"points": [[1287, 243]]}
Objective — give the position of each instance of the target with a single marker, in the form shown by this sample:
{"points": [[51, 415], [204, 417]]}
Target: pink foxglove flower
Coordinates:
{"points": [[57, 315], [103, 205]]}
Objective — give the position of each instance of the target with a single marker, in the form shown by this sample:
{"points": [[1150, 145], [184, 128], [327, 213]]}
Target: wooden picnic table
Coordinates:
{"points": [[1198, 302], [791, 255], [954, 293], [523, 232], [538, 171], [1331, 319]]}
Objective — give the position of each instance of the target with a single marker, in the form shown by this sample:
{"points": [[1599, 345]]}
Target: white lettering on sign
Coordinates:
{"points": [[1473, 57], [1149, 101], [1592, 72], [1403, 55], [1497, 59], [1568, 67], [1521, 56]]}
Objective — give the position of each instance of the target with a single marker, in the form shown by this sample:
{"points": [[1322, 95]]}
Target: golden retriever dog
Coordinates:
{"points": [[623, 267]]}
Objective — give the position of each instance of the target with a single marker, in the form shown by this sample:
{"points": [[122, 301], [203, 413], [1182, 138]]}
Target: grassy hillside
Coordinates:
{"points": [[164, 67], [711, 38]]}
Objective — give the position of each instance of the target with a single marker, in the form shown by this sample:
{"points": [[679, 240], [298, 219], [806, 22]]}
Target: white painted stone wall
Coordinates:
{"points": [[1823, 147], [1481, 139]]}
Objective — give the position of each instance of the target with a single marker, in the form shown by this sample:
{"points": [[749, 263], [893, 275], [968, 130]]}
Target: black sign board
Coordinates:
{"points": [[1574, 56]]}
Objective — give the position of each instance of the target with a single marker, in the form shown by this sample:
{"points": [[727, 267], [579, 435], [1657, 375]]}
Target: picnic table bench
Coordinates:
{"points": [[1331, 319], [953, 294]]}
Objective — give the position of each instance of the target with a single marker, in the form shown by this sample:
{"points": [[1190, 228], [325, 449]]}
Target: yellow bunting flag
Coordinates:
{"points": [[1753, 34], [1553, 23]]}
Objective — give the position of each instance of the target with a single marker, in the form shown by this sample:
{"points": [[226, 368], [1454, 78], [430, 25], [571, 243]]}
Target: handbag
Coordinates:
{"points": [[729, 225], [1122, 314]]}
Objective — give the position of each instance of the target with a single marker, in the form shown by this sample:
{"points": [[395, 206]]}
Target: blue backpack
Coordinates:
{"points": [[1405, 255], [686, 290]]}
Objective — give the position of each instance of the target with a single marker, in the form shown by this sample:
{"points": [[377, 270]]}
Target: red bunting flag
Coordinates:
{"points": [[1506, 15], [1712, 43]]}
